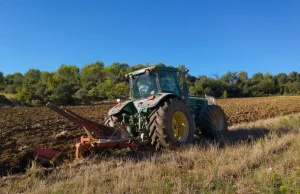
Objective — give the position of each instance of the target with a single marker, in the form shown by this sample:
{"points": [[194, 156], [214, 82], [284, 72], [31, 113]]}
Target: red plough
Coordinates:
{"points": [[99, 137]]}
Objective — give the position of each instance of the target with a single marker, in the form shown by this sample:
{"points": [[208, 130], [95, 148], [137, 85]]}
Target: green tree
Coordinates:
{"points": [[256, 78], [91, 76], [262, 85], [190, 80], [242, 84], [28, 91], [229, 77], [116, 72], [66, 83], [281, 78], [45, 86], [121, 90], [198, 88], [160, 64], [181, 67], [225, 94], [243, 76], [245, 91], [107, 87], [135, 67], [292, 77], [96, 82], [32, 76], [13, 82], [92, 73], [208, 91]]}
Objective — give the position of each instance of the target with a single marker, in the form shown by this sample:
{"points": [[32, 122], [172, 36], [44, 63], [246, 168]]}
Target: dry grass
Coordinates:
{"points": [[260, 157]]}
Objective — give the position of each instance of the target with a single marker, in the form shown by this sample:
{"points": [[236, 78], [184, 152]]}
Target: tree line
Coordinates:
{"points": [[95, 82]]}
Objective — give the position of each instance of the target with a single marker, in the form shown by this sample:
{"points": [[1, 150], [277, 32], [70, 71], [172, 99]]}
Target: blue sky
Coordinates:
{"points": [[209, 37]]}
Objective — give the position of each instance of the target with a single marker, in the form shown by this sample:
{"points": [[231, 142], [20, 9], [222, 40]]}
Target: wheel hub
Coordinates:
{"points": [[180, 126]]}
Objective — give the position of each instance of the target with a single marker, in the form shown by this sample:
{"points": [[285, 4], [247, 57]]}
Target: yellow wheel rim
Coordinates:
{"points": [[180, 126]]}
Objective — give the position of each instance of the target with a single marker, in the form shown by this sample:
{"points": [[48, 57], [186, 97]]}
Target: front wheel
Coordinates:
{"points": [[212, 122], [171, 124]]}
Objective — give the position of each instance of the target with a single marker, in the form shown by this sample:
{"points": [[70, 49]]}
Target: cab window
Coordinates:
{"points": [[169, 82]]}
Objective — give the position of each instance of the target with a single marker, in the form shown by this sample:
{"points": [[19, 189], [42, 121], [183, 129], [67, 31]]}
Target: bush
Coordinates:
{"points": [[36, 103], [225, 94]]}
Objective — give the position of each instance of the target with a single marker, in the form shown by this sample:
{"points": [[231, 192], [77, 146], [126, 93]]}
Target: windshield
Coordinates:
{"points": [[143, 85]]}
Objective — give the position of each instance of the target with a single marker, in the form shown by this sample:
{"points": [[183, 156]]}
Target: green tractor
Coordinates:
{"points": [[161, 113]]}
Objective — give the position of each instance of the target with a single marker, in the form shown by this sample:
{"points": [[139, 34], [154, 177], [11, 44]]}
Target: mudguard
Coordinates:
{"points": [[152, 103], [196, 101], [139, 104], [116, 109]]}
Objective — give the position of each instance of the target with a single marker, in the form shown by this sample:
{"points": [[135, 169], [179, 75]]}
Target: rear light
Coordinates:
{"points": [[119, 104], [151, 97]]}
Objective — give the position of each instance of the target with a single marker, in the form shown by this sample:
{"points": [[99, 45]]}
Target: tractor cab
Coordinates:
{"points": [[153, 81]]}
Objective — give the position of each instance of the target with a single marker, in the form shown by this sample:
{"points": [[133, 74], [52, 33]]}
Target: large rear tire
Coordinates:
{"points": [[111, 121], [171, 124], [212, 122]]}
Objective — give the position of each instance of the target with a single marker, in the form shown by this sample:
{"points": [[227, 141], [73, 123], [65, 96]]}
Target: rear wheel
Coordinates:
{"points": [[111, 121], [171, 124], [212, 122]]}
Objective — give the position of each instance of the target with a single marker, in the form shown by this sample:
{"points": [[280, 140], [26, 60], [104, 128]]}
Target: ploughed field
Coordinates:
{"points": [[22, 129], [240, 110]]}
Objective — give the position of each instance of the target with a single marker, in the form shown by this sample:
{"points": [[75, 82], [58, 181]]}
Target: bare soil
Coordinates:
{"points": [[241, 110], [23, 129]]}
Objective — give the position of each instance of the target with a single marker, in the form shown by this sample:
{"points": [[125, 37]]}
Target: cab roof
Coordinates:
{"points": [[154, 68]]}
